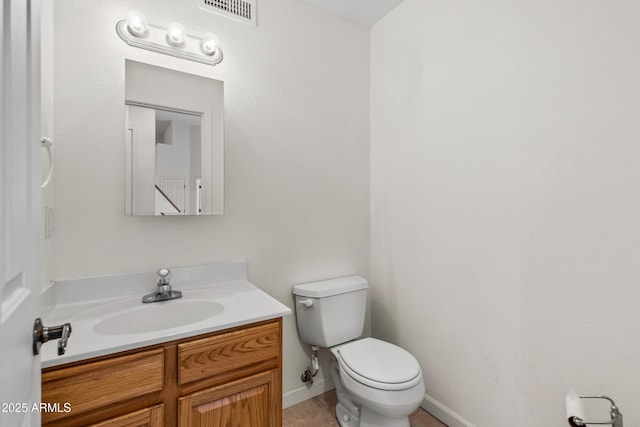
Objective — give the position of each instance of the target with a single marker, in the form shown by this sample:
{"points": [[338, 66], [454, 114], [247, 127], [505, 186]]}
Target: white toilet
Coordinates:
{"points": [[377, 383]]}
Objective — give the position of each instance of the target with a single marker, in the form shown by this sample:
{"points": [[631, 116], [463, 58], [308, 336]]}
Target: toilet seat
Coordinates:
{"points": [[379, 364]]}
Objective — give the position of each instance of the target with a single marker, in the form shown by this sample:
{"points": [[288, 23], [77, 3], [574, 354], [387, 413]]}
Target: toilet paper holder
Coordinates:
{"points": [[614, 413]]}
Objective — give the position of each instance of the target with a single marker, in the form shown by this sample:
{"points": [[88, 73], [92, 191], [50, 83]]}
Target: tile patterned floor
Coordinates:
{"points": [[320, 412]]}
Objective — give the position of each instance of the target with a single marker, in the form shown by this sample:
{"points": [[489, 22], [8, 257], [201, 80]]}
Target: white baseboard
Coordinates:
{"points": [[300, 394], [444, 413]]}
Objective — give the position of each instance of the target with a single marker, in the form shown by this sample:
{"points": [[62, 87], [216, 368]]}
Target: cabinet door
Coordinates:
{"points": [[150, 417], [251, 401]]}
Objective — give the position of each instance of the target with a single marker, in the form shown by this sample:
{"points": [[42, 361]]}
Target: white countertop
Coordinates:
{"points": [[87, 302]]}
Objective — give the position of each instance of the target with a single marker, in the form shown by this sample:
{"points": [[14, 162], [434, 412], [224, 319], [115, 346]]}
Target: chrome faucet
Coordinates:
{"points": [[163, 291]]}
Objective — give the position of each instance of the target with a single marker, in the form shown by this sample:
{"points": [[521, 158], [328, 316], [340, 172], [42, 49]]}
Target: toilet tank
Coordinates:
{"points": [[331, 312]]}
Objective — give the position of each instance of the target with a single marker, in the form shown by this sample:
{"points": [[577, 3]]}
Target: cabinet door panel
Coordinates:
{"points": [[248, 402], [150, 417]]}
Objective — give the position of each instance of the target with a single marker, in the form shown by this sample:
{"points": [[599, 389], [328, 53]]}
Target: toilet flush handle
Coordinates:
{"points": [[306, 302]]}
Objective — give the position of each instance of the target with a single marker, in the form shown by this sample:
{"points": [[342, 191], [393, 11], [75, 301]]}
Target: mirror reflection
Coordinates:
{"points": [[174, 142]]}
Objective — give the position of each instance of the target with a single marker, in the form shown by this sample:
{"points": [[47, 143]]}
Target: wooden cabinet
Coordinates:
{"points": [[228, 378]]}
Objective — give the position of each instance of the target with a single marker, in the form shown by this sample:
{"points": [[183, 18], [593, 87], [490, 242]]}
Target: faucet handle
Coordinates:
{"points": [[165, 276]]}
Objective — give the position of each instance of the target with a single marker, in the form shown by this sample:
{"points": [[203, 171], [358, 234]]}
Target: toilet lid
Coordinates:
{"points": [[380, 364]]}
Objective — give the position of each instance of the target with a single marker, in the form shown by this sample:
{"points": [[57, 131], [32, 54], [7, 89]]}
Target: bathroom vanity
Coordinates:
{"points": [[231, 377], [222, 370]]}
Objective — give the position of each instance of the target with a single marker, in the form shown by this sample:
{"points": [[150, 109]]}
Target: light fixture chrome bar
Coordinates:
{"points": [[155, 40]]}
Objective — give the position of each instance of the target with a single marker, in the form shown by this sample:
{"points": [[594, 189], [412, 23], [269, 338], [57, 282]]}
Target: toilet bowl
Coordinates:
{"points": [[381, 383], [378, 384]]}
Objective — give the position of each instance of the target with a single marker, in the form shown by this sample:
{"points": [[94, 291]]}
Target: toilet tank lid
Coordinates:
{"points": [[326, 288]]}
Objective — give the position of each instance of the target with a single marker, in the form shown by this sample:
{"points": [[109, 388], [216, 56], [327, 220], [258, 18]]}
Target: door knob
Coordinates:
{"points": [[42, 334]]}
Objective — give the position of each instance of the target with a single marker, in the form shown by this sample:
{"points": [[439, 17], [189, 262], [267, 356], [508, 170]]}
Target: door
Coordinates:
{"points": [[19, 211], [174, 188], [140, 161]]}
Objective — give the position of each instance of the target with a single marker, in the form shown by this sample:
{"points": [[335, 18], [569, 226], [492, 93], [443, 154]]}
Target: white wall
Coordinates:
{"points": [[296, 149], [505, 202]]}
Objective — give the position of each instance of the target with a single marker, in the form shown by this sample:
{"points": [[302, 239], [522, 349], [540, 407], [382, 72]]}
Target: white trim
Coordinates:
{"points": [[300, 394], [445, 414]]}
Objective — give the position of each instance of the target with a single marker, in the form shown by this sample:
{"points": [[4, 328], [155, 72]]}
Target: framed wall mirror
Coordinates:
{"points": [[174, 145]]}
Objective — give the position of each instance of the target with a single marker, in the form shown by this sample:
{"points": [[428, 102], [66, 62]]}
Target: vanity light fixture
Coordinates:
{"points": [[173, 40]]}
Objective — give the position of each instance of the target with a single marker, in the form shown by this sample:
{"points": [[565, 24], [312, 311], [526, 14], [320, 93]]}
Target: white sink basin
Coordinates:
{"points": [[157, 316]]}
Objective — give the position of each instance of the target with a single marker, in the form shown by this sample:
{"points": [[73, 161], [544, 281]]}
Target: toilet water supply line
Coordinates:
{"points": [[307, 376]]}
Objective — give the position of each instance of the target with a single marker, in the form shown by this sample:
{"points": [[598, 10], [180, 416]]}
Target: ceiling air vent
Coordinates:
{"points": [[241, 10]]}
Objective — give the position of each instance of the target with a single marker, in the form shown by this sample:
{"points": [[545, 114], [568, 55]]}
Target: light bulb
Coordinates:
{"points": [[209, 44], [136, 23], [175, 34]]}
